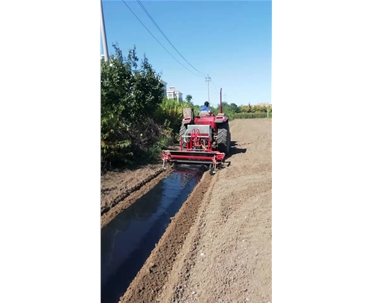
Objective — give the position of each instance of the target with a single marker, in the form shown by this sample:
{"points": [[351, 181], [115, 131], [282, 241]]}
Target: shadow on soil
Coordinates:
{"points": [[235, 150]]}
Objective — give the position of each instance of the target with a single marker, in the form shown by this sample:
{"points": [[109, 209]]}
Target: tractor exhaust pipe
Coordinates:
{"points": [[221, 101]]}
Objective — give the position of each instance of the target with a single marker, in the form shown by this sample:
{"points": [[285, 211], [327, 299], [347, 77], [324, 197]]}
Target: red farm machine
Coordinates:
{"points": [[204, 140]]}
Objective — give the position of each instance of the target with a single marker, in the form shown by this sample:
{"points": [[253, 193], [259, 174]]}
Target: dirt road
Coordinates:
{"points": [[218, 246]]}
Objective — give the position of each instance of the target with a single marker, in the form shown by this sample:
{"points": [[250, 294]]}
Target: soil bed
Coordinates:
{"points": [[218, 246]]}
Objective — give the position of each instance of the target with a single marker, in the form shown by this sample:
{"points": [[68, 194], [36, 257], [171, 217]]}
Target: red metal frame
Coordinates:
{"points": [[198, 148], [196, 141]]}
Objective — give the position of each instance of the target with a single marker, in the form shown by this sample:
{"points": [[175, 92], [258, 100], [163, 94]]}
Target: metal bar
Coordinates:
{"points": [[194, 157], [193, 162], [191, 152], [188, 136]]}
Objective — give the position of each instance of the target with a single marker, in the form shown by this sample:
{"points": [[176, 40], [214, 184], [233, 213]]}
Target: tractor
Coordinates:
{"points": [[204, 139]]}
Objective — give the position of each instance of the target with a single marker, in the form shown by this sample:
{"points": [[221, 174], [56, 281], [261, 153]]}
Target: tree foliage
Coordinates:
{"points": [[234, 111], [188, 98], [170, 113], [131, 92]]}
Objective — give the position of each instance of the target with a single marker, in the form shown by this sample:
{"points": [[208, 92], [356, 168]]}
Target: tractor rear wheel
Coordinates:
{"points": [[223, 138]]}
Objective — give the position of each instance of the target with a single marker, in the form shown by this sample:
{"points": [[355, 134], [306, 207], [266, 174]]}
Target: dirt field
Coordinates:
{"points": [[218, 246], [121, 189], [227, 255]]}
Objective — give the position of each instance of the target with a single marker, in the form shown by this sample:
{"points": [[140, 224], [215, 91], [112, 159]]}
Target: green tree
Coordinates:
{"points": [[234, 108], [249, 108], [188, 98], [130, 94]]}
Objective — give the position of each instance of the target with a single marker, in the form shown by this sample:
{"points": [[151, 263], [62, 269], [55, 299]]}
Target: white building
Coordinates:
{"points": [[173, 93]]}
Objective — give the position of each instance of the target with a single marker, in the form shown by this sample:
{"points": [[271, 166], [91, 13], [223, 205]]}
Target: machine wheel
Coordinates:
{"points": [[223, 138], [182, 132], [212, 169]]}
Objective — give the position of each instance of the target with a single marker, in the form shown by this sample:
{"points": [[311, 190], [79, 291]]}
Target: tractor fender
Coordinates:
{"points": [[221, 119], [187, 120]]}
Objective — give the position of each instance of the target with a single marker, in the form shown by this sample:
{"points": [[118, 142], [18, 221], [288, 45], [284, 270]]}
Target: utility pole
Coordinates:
{"points": [[103, 33], [208, 79]]}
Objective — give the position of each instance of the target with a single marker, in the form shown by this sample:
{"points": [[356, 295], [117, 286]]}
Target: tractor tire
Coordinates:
{"points": [[182, 132], [223, 138]]}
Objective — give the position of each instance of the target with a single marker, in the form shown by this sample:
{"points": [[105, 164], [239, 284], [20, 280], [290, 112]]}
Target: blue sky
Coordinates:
{"points": [[229, 40]]}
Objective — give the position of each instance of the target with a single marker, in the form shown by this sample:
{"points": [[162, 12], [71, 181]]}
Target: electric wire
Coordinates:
{"points": [[158, 40], [153, 21], [214, 86]]}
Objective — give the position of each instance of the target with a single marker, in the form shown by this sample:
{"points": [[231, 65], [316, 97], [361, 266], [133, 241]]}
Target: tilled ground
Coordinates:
{"points": [[228, 255], [218, 246], [150, 280], [121, 189]]}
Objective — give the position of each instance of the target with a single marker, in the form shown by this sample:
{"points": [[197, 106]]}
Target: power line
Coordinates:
{"points": [[214, 86], [157, 39], [153, 21], [224, 95]]}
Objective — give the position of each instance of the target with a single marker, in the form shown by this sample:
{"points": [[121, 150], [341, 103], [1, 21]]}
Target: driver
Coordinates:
{"points": [[205, 107]]}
